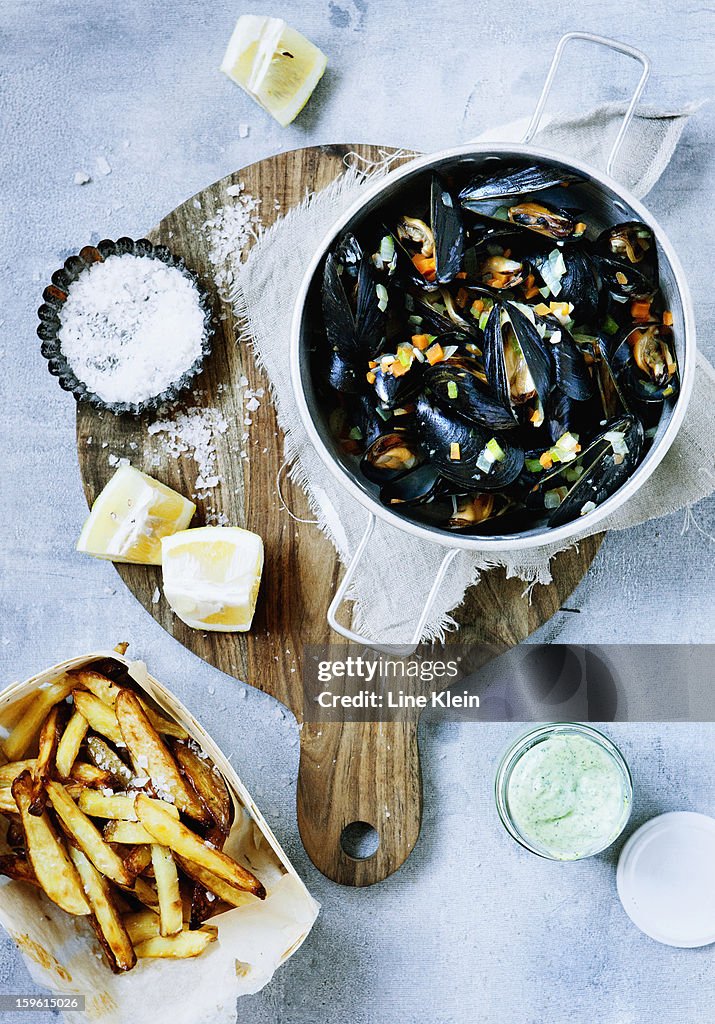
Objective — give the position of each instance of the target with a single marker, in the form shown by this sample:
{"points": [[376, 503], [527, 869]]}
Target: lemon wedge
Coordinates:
{"points": [[130, 516], [212, 575], [277, 66]]}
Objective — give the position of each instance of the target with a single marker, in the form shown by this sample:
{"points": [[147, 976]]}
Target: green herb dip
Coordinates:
{"points": [[566, 795]]}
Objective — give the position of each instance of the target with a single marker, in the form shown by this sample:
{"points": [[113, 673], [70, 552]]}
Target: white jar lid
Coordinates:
{"points": [[666, 878]]}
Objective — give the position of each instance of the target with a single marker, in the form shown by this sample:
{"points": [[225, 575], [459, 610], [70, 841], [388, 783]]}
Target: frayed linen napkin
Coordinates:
{"points": [[387, 600]]}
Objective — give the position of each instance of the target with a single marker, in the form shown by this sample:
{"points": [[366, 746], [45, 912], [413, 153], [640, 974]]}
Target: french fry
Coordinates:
{"points": [[109, 926], [138, 859], [10, 771], [15, 837], [47, 854], [102, 756], [172, 833], [150, 755], [208, 783], [129, 833], [86, 835], [167, 889], [119, 806], [145, 893], [69, 744], [19, 869], [26, 729], [177, 947], [49, 738], [212, 883], [100, 717], [144, 924], [7, 801], [108, 691], [90, 775]]}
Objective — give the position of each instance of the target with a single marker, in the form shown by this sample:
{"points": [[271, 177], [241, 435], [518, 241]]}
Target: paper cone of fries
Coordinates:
{"points": [[137, 871]]}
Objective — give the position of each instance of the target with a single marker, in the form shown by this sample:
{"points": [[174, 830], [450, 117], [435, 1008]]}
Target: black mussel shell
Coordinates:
{"points": [[535, 358], [362, 417], [391, 456], [578, 284], [454, 448], [610, 391], [344, 377], [512, 181], [570, 370], [394, 392], [358, 334], [444, 322], [448, 231], [622, 279], [412, 488], [458, 387], [348, 253], [644, 360], [603, 467]]}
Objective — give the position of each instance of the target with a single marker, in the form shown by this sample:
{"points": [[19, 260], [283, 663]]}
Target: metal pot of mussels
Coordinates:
{"points": [[494, 348]]}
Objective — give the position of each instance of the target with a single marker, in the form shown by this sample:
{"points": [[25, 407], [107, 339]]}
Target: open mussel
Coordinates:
{"points": [[517, 366], [510, 182], [469, 455], [430, 253], [568, 275], [576, 487], [391, 456], [571, 374], [633, 243], [646, 363]]}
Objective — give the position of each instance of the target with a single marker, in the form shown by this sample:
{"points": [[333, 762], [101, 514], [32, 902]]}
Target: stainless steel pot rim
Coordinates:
{"points": [[518, 542]]}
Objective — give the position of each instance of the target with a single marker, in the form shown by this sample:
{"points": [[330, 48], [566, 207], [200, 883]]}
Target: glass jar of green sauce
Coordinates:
{"points": [[564, 791]]}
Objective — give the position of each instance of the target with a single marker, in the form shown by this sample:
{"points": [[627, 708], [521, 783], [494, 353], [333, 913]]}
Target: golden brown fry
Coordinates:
{"points": [[69, 744], [172, 833], [118, 806], [149, 754], [85, 833], [110, 929], [102, 756], [167, 889], [19, 869], [218, 886], [49, 738], [138, 859], [208, 783], [145, 893], [90, 775], [178, 947], [100, 717], [129, 833], [108, 691], [144, 924], [28, 726], [47, 854], [7, 802], [10, 771]]}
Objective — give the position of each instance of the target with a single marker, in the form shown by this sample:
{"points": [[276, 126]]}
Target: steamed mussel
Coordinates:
{"points": [[498, 357]]}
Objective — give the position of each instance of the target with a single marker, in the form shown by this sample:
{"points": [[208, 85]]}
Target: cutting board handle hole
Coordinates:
{"points": [[359, 840]]}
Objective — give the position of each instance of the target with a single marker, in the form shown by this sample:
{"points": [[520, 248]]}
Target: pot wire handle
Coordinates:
{"points": [[400, 650], [611, 44]]}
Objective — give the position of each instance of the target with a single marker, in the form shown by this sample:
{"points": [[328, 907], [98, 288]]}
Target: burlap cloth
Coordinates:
{"points": [[390, 592]]}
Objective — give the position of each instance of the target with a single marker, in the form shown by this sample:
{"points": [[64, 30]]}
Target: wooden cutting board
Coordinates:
{"points": [[350, 771]]}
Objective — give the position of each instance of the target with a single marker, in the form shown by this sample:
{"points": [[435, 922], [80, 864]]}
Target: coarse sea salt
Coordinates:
{"points": [[193, 433], [130, 327], [229, 232]]}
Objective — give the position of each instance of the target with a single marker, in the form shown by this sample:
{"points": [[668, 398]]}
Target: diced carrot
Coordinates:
{"points": [[667, 318], [398, 369], [546, 460], [434, 354], [580, 228], [640, 309], [370, 377], [477, 307], [425, 265], [372, 364], [420, 341], [531, 292], [462, 297], [461, 276], [455, 452]]}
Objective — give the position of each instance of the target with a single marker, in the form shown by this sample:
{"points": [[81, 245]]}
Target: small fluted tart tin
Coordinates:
{"points": [[55, 295]]}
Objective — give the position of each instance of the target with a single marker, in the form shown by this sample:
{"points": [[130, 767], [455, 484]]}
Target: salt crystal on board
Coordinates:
{"points": [[81, 178]]}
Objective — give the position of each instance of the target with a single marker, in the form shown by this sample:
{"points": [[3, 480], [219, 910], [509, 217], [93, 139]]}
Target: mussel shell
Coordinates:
{"points": [[400, 452], [579, 285], [537, 359], [360, 413], [570, 370], [632, 242], [544, 219], [635, 380], [343, 376], [512, 181], [443, 323], [474, 402], [448, 231], [393, 391], [411, 488], [439, 430], [610, 391], [634, 283], [358, 334]]}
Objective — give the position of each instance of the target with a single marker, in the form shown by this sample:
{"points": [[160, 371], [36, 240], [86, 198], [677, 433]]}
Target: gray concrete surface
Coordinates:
{"points": [[472, 929]]}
